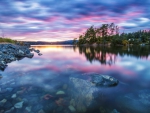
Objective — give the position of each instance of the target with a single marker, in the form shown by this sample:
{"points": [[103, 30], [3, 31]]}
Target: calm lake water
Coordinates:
{"points": [[57, 81]]}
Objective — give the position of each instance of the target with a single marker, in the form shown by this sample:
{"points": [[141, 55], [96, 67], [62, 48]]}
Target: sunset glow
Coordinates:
{"points": [[50, 20]]}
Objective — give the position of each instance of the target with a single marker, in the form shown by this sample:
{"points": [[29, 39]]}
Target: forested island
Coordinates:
{"points": [[108, 34]]}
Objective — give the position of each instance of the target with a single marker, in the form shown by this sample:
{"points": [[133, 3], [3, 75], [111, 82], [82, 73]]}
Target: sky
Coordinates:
{"points": [[58, 20]]}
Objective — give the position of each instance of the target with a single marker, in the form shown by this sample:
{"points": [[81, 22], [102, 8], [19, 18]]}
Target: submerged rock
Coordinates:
{"points": [[60, 93], [114, 111], [19, 104], [28, 109], [14, 96], [41, 111], [71, 108], [137, 101], [3, 101], [10, 110], [104, 80]]}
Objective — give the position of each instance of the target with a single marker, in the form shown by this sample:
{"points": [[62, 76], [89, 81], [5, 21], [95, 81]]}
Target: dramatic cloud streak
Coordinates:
{"points": [[51, 20]]}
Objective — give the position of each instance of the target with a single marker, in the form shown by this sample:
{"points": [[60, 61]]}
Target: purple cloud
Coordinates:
{"points": [[60, 20]]}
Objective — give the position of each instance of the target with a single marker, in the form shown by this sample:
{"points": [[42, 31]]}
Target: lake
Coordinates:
{"points": [[58, 81]]}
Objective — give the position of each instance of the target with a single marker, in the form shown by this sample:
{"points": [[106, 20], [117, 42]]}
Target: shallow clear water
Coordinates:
{"points": [[58, 81]]}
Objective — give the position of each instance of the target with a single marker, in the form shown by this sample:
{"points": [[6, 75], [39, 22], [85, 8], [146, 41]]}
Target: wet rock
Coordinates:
{"points": [[25, 101], [1, 76], [37, 51], [84, 91], [41, 111], [14, 96], [137, 101], [2, 91], [19, 104], [60, 92], [65, 86], [39, 54], [81, 108], [20, 52], [11, 52], [10, 110], [37, 108], [30, 55], [28, 109], [104, 80], [9, 89], [3, 101], [71, 108], [114, 111], [8, 105], [72, 102]]}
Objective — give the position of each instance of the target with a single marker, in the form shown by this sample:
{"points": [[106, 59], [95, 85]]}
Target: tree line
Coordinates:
{"points": [[108, 34], [108, 55]]}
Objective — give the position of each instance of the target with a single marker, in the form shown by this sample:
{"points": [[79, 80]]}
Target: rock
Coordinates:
{"points": [[41, 111], [25, 101], [14, 96], [1, 76], [11, 52], [28, 109], [20, 52], [71, 108], [60, 92], [83, 93], [39, 54], [3, 101], [37, 107], [9, 89], [10, 111], [20, 92], [65, 86], [104, 80], [114, 111], [8, 105], [138, 101], [72, 102], [30, 55], [19, 104], [3, 90], [37, 51]]}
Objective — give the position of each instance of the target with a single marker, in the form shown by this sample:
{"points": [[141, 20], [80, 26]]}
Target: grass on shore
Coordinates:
{"points": [[7, 40]]}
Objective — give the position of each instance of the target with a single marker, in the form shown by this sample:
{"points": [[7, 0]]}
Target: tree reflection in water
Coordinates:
{"points": [[107, 55]]}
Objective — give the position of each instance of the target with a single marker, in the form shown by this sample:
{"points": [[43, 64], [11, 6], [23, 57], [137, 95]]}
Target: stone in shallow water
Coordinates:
{"points": [[28, 109], [39, 54], [41, 111], [114, 111], [3, 101], [71, 108], [14, 96], [8, 105], [104, 80], [60, 93], [9, 89], [1, 76], [19, 104], [10, 110], [137, 101]]}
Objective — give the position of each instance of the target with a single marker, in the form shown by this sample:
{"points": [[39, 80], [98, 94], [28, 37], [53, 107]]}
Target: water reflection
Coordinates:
{"points": [[58, 81], [107, 55]]}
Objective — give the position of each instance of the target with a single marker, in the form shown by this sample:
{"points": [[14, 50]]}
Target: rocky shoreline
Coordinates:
{"points": [[13, 52]]}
